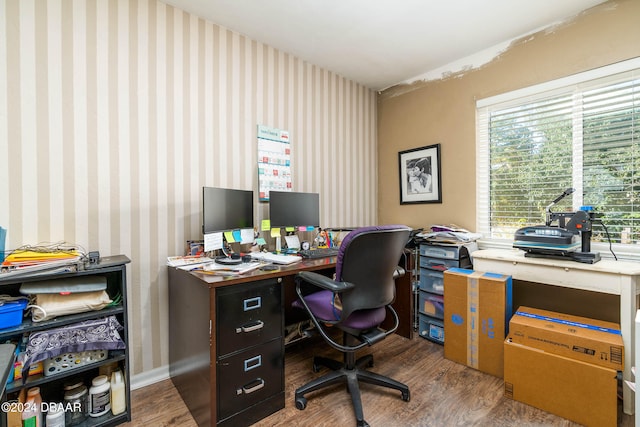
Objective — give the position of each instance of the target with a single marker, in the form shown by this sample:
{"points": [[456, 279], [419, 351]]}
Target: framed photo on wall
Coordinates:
{"points": [[420, 179]]}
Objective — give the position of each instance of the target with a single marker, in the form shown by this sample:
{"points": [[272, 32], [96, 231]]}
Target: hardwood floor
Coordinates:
{"points": [[443, 393]]}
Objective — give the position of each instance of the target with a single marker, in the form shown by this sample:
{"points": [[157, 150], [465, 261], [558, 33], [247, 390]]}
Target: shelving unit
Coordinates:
{"points": [[434, 260], [51, 387]]}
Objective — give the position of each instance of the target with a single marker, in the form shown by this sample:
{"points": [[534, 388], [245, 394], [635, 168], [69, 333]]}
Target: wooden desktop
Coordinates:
{"points": [[226, 338]]}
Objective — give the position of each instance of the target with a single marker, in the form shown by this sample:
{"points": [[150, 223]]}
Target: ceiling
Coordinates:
{"points": [[380, 43]]}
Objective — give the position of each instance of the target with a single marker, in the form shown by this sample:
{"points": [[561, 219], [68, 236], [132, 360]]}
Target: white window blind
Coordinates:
{"points": [[581, 132]]}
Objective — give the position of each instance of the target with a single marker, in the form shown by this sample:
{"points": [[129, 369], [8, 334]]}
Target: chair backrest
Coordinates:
{"points": [[368, 258]]}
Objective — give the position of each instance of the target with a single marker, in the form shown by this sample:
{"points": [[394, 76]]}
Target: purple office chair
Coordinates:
{"points": [[355, 302]]}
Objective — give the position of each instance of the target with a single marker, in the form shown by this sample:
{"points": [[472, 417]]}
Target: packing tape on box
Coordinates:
{"points": [[473, 298]]}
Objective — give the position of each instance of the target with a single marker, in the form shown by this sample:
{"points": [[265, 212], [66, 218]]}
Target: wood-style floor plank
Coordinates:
{"points": [[443, 393]]}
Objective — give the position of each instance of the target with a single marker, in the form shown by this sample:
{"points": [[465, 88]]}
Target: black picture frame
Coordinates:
{"points": [[420, 175]]}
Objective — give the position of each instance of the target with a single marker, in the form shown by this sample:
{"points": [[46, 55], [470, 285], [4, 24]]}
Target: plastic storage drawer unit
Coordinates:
{"points": [[432, 305], [432, 329], [444, 252], [432, 281], [440, 264]]}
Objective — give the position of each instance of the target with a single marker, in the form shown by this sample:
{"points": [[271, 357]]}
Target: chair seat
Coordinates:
{"points": [[321, 305]]}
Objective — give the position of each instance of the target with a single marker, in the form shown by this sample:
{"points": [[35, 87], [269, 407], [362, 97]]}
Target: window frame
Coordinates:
{"points": [[531, 94]]}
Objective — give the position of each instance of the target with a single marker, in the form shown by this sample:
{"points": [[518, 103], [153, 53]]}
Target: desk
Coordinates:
{"points": [[609, 277], [205, 340]]}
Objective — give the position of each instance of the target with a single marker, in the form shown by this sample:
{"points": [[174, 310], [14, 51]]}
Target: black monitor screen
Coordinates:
{"points": [[287, 208], [226, 209]]}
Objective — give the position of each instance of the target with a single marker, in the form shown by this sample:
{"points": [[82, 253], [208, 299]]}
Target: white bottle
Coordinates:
{"points": [[55, 416], [99, 396], [118, 401]]}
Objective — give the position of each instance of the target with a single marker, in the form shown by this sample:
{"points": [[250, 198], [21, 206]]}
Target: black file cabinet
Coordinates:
{"points": [[227, 347], [250, 351], [434, 260]]}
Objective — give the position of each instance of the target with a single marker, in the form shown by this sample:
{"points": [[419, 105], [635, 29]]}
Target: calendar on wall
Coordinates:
{"points": [[274, 161]]}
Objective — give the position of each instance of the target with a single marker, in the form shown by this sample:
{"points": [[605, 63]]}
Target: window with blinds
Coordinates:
{"points": [[581, 132]]}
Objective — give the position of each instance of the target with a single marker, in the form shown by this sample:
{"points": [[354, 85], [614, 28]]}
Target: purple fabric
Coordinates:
{"points": [[321, 305], [352, 235], [95, 334]]}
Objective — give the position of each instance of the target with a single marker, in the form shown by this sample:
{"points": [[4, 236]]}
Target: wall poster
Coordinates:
{"points": [[274, 161]]}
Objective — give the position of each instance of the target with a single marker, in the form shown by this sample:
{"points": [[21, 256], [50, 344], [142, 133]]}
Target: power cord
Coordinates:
{"points": [[606, 231]]}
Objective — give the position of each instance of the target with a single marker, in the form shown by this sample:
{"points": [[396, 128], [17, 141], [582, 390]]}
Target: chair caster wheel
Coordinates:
{"points": [[316, 368], [301, 403], [362, 423], [406, 396]]}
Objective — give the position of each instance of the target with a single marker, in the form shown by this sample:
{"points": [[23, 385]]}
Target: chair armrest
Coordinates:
{"points": [[324, 282]]}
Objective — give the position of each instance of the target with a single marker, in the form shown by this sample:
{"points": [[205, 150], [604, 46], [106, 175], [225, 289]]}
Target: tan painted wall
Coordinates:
{"points": [[443, 111]]}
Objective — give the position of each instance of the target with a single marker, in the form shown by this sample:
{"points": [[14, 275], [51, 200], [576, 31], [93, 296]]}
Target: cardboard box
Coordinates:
{"points": [[572, 389], [579, 338], [477, 307]]}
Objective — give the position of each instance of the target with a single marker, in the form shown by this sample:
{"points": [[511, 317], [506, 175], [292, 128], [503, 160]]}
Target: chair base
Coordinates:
{"points": [[351, 371]]}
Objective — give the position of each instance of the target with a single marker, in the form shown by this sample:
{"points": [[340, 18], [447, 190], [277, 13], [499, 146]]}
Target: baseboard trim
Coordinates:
{"points": [[152, 376]]}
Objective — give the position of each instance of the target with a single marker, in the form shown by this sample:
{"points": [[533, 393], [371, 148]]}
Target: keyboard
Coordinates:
{"points": [[275, 258], [319, 253]]}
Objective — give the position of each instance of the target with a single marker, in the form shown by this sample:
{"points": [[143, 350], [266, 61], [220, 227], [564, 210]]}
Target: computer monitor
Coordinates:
{"points": [[226, 209], [288, 208]]}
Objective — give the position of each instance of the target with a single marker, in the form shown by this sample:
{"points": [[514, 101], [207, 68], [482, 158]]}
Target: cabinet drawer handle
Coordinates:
{"points": [[252, 386], [252, 303], [254, 362], [259, 324]]}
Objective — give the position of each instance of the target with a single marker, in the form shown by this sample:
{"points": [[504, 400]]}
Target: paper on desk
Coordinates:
{"points": [[450, 236], [187, 261], [242, 268], [246, 235], [212, 241], [292, 241]]}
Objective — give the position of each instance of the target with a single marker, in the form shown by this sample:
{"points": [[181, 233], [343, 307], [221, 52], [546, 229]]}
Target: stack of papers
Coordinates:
{"points": [[450, 233], [208, 265], [231, 270], [20, 262], [187, 261]]}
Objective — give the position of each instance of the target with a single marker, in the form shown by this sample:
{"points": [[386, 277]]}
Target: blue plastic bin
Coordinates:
{"points": [[11, 313]]}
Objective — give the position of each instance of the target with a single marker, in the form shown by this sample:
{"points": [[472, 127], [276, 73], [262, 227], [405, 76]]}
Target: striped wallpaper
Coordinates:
{"points": [[115, 113]]}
